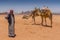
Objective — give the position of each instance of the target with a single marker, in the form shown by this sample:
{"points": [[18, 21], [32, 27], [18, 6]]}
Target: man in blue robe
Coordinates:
{"points": [[11, 22]]}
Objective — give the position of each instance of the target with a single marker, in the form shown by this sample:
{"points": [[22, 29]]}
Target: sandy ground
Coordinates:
{"points": [[26, 31]]}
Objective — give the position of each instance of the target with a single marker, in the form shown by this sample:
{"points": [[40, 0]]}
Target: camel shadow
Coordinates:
{"points": [[43, 25], [47, 26], [36, 24], [40, 24]]}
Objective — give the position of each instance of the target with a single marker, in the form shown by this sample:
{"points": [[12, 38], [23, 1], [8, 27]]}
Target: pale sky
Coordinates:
{"points": [[25, 5]]}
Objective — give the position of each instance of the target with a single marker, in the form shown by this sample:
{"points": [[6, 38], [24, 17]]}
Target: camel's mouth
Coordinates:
{"points": [[25, 17]]}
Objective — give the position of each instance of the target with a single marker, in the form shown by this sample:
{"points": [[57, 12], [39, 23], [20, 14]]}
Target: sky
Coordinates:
{"points": [[25, 5]]}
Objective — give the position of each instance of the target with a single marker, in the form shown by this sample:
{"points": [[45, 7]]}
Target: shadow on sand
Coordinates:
{"points": [[47, 26], [36, 24], [43, 25], [40, 24]]}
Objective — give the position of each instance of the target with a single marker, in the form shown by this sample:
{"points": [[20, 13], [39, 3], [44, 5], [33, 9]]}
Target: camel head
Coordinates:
{"points": [[25, 17]]}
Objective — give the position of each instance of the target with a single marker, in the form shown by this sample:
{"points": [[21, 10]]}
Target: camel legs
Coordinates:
{"points": [[34, 20], [45, 21], [51, 20], [42, 20]]}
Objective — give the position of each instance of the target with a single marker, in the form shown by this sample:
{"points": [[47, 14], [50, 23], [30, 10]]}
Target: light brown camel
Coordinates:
{"points": [[46, 14], [33, 14], [43, 13]]}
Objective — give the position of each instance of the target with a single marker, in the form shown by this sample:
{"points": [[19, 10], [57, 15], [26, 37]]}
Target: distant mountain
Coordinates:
{"points": [[25, 13], [56, 13], [4, 13]]}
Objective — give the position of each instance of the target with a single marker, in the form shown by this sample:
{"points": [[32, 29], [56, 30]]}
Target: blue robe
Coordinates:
{"points": [[11, 28]]}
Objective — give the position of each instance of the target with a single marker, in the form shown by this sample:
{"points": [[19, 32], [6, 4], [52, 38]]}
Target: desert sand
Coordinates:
{"points": [[25, 30]]}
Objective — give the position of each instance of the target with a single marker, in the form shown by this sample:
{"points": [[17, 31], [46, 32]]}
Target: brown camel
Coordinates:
{"points": [[43, 13], [46, 14], [33, 14]]}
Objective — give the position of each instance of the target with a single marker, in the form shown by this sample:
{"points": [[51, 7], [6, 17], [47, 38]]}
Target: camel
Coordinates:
{"points": [[46, 14], [43, 13], [33, 14]]}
